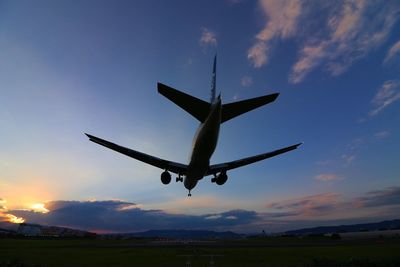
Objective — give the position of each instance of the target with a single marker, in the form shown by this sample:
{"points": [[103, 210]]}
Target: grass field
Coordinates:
{"points": [[63, 253]]}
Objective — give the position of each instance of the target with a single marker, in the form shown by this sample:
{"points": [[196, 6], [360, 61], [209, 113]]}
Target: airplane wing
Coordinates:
{"points": [[171, 166], [213, 169]]}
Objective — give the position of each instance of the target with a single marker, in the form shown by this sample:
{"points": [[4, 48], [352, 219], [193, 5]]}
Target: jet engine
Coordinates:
{"points": [[220, 179], [165, 177]]}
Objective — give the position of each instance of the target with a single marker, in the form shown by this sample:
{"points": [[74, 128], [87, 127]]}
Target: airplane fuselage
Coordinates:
{"points": [[204, 144]]}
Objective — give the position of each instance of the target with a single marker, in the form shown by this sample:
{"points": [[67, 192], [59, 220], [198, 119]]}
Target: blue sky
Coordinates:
{"points": [[66, 69]]}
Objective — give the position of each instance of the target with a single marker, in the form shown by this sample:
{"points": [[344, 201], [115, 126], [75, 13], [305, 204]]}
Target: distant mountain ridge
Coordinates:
{"points": [[202, 234], [384, 225]]}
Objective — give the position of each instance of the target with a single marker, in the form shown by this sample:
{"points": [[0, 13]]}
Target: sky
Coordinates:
{"points": [[67, 68]]}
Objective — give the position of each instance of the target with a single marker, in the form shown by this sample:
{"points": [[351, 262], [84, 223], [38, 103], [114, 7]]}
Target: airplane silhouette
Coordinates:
{"points": [[211, 115]]}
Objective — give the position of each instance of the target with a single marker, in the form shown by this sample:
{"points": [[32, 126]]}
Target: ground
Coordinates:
{"points": [[251, 252]]}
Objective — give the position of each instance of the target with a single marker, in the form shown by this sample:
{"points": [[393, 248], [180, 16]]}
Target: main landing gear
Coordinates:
{"points": [[179, 178]]}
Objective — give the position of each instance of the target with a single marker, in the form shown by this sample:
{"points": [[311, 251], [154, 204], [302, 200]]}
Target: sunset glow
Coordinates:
{"points": [[39, 207], [15, 219]]}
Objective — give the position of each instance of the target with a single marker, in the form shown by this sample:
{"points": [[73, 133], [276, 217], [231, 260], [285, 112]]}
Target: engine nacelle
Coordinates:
{"points": [[221, 178], [165, 177]]}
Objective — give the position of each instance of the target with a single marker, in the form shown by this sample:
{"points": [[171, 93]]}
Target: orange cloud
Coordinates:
{"points": [[14, 219], [309, 205], [5, 216]]}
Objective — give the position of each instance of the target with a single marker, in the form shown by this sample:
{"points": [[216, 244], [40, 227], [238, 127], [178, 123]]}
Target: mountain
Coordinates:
{"points": [[7, 226], [385, 225]]}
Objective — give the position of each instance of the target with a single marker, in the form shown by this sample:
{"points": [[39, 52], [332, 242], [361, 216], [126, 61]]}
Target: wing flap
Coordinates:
{"points": [[232, 110], [213, 169], [174, 167], [194, 106]]}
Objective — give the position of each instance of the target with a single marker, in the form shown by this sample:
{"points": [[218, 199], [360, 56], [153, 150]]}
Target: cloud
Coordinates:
{"points": [[352, 34], [387, 94], [348, 158], [382, 134], [246, 81], [334, 206], [378, 198], [393, 52], [325, 177], [114, 216], [213, 217], [282, 17], [308, 205], [6, 216], [207, 38], [258, 54], [310, 57], [332, 34]]}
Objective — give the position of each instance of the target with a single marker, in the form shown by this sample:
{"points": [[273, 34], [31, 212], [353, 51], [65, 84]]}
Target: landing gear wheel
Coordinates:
{"points": [[189, 195]]}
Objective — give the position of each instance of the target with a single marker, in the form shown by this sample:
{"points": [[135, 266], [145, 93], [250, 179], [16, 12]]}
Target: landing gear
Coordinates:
{"points": [[189, 195], [179, 178], [213, 180]]}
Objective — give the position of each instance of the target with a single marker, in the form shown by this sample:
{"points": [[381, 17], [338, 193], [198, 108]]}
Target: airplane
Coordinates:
{"points": [[211, 115]]}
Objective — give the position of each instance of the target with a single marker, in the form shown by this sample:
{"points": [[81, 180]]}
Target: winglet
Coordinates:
{"points": [[89, 136]]}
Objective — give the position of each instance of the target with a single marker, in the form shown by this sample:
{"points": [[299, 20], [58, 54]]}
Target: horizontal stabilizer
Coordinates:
{"points": [[196, 107], [213, 169], [235, 109]]}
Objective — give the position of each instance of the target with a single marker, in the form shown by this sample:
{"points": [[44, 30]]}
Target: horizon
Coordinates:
{"points": [[4, 225], [69, 69]]}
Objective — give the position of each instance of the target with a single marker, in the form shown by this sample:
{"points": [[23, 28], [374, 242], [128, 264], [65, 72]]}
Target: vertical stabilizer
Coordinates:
{"points": [[213, 80]]}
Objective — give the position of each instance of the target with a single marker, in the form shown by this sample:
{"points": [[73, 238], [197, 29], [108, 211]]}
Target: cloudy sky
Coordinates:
{"points": [[66, 69]]}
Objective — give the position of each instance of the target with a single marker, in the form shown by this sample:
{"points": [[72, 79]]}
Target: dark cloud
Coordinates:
{"points": [[384, 197], [273, 215], [122, 216]]}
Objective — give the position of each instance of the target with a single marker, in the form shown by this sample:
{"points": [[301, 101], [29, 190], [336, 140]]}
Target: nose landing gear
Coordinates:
{"points": [[189, 195]]}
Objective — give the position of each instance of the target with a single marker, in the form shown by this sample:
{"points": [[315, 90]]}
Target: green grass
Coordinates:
{"points": [[60, 253]]}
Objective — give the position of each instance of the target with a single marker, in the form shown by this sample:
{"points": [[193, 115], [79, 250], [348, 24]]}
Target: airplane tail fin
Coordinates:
{"points": [[194, 106], [232, 110], [213, 80], [200, 109]]}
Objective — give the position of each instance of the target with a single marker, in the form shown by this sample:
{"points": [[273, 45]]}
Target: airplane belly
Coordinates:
{"points": [[189, 183], [204, 144], [206, 139]]}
